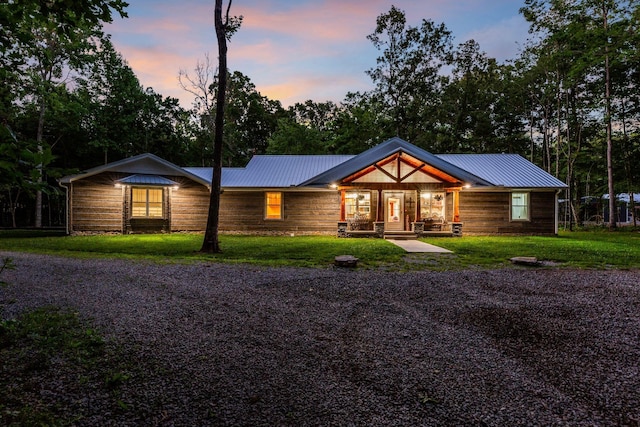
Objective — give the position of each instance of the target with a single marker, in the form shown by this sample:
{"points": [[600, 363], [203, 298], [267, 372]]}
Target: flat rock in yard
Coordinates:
{"points": [[525, 260], [346, 261]]}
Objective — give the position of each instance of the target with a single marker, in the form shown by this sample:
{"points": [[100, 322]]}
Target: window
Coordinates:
{"points": [[357, 204], [146, 202], [520, 206], [432, 206], [273, 208]]}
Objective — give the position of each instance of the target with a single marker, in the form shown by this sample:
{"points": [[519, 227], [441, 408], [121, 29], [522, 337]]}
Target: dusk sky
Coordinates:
{"points": [[296, 50]]}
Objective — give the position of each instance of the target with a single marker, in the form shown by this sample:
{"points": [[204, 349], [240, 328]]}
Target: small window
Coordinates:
{"points": [[520, 206], [146, 202], [273, 208]]}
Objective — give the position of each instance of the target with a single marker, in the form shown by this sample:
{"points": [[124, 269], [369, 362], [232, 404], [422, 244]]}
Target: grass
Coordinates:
{"points": [[581, 249], [53, 349], [302, 251]]}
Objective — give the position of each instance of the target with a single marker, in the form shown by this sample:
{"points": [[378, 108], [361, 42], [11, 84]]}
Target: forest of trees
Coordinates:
{"points": [[570, 101]]}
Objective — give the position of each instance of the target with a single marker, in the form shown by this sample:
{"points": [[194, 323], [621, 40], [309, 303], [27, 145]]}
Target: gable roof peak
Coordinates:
{"points": [[145, 163], [385, 149]]}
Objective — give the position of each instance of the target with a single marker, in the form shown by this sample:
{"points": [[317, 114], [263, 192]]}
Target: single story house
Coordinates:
{"points": [[394, 187]]}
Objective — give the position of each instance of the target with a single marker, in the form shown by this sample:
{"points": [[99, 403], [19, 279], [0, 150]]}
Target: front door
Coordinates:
{"points": [[394, 211]]}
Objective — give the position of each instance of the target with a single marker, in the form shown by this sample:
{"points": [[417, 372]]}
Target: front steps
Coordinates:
{"points": [[400, 235]]}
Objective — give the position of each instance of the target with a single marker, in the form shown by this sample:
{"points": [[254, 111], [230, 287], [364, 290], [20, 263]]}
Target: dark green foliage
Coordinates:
{"points": [[5, 264], [55, 351], [548, 104]]}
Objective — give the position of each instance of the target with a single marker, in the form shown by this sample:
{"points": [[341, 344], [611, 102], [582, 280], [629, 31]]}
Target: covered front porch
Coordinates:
{"points": [[397, 188], [383, 211]]}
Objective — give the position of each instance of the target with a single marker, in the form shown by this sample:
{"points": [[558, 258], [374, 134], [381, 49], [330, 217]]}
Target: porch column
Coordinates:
{"points": [[418, 207], [380, 209], [456, 206], [342, 206]]}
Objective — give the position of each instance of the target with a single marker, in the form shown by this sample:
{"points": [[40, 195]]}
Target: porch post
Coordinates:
{"points": [[380, 209], [456, 206], [342, 206], [456, 225], [418, 207]]}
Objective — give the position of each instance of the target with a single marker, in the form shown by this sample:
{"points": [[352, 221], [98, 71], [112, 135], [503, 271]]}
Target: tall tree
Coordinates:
{"points": [[591, 37], [408, 76], [250, 119], [122, 118], [44, 40], [307, 128], [224, 29]]}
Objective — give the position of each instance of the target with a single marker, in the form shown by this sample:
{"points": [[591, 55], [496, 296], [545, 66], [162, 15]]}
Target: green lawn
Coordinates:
{"points": [[583, 249]]}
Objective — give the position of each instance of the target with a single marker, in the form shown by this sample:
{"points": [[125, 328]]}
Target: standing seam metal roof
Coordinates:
{"points": [[140, 179], [281, 171], [273, 171], [504, 170], [386, 149]]}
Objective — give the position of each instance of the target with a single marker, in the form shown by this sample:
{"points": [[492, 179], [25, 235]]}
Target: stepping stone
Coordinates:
{"points": [[525, 260], [346, 261]]}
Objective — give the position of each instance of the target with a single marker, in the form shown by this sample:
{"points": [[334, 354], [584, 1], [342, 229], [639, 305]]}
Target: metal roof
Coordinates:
{"points": [[147, 163], [205, 174], [386, 149], [229, 175], [278, 171], [154, 180], [504, 170], [283, 171]]}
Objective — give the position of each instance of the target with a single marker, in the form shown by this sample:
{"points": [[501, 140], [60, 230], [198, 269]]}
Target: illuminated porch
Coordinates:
{"points": [[399, 196]]}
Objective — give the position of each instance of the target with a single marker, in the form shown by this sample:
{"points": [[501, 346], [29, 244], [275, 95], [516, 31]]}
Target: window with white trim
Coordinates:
{"points": [[520, 207], [146, 202], [273, 205]]}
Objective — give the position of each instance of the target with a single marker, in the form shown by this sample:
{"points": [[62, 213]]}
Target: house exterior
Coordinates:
{"points": [[394, 187]]}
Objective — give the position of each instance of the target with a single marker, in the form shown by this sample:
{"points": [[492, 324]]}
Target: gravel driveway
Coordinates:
{"points": [[252, 346]]}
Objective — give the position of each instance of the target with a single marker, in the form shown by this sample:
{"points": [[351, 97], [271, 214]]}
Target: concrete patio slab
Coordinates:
{"points": [[416, 246]]}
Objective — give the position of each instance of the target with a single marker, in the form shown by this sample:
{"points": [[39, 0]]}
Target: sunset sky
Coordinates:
{"points": [[296, 50]]}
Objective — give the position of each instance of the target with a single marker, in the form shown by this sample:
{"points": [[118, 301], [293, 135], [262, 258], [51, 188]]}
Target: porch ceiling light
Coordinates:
{"points": [[467, 185], [334, 186], [175, 188], [117, 185]]}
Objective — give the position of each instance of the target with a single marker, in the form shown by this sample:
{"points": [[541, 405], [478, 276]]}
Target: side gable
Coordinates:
{"points": [[143, 164]]}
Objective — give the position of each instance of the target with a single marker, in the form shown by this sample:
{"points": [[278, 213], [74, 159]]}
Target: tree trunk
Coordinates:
{"points": [[39, 167], [607, 96], [211, 243]]}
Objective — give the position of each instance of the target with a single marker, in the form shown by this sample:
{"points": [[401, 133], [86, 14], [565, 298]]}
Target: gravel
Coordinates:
{"points": [[242, 345]]}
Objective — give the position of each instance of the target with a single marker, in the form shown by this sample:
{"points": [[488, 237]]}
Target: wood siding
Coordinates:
{"points": [[304, 212], [96, 205], [489, 213], [189, 206]]}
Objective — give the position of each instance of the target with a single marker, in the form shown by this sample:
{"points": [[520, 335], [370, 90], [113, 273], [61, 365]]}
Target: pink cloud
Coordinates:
{"points": [[304, 87], [292, 51]]}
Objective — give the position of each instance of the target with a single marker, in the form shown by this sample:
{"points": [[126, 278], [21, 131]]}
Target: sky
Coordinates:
{"points": [[296, 50]]}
